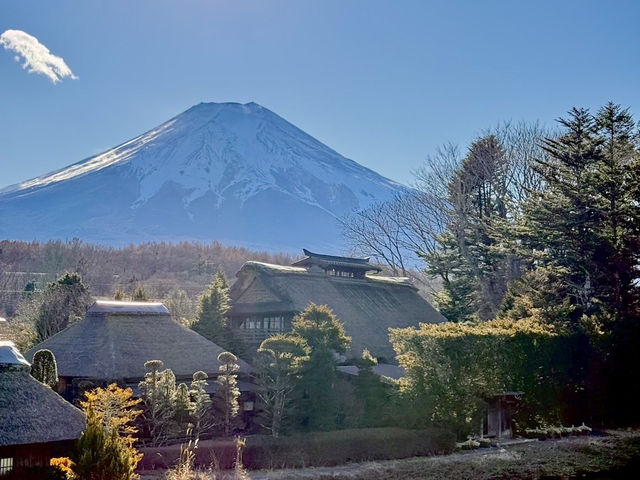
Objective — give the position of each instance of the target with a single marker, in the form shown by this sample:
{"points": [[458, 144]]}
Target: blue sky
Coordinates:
{"points": [[382, 82]]}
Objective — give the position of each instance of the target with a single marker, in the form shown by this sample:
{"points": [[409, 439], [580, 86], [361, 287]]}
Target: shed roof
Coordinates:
{"points": [[31, 412], [114, 342], [367, 307]]}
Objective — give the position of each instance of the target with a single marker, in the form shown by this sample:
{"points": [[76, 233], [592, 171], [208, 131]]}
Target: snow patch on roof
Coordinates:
{"points": [[128, 308], [10, 355]]}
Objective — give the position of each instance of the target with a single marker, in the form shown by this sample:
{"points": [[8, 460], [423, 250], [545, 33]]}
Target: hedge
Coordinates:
{"points": [[314, 449]]}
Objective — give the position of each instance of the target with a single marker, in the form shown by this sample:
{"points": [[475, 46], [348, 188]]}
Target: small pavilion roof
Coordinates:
{"points": [[324, 261]]}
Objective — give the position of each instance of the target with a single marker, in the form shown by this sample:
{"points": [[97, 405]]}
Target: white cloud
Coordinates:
{"points": [[37, 57]]}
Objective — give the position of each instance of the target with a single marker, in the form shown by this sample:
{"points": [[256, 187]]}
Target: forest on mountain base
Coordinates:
{"points": [[165, 271]]}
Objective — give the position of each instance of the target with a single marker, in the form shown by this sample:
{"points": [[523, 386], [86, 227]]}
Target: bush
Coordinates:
{"points": [[343, 446], [315, 449]]}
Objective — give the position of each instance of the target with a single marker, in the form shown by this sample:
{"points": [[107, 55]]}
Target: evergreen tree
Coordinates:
{"points": [[211, 321], [140, 294], [371, 392], [226, 398], [325, 337], [183, 408], [281, 357], [158, 391], [105, 449], [44, 368], [201, 401], [63, 302]]}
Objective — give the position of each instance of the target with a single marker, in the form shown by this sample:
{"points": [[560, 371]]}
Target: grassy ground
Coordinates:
{"points": [[609, 457]]}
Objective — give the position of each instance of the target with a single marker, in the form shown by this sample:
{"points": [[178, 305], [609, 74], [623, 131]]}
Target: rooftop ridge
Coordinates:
{"points": [[116, 307]]}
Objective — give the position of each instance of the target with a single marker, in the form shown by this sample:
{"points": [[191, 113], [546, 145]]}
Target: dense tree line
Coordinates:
{"points": [[547, 233], [166, 271]]}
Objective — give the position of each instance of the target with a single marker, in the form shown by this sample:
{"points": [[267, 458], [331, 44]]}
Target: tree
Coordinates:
{"points": [[140, 294], [201, 401], [372, 393], [183, 408], [105, 449], [63, 302], [180, 306], [226, 398], [281, 357], [324, 335], [44, 368], [158, 392], [211, 321]]}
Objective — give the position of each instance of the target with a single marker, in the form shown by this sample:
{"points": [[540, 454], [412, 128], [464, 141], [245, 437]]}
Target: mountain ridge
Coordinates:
{"points": [[211, 169]]}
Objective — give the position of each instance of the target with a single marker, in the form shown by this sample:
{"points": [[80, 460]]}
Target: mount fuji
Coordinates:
{"points": [[235, 173]]}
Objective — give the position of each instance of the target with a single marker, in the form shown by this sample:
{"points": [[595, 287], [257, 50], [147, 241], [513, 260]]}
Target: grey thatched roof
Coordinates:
{"points": [[367, 307], [383, 370], [117, 338], [31, 412]]}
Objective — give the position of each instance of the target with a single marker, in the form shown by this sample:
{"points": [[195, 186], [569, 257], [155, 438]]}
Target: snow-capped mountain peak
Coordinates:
{"points": [[204, 164]]}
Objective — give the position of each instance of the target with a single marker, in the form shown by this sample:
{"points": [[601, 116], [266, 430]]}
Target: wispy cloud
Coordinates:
{"points": [[37, 58]]}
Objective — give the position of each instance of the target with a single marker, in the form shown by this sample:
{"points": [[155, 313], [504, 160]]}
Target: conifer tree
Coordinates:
{"points": [[226, 398], [325, 337], [201, 401], [140, 294], [183, 408], [63, 302], [158, 392], [211, 321], [44, 368], [280, 361]]}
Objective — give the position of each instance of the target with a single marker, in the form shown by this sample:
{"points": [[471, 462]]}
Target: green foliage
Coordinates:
{"points": [[344, 446], [226, 398], [105, 449], [201, 404], [44, 368], [281, 357], [103, 455], [374, 396], [62, 303], [452, 368], [316, 397], [118, 295], [211, 321], [183, 408], [214, 305], [140, 295], [158, 391]]}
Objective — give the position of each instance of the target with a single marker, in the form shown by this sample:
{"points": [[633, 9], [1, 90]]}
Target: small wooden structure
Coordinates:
{"points": [[499, 414], [36, 424]]}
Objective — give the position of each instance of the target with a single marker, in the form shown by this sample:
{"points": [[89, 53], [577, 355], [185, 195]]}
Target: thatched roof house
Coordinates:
{"points": [[115, 339], [266, 297], [36, 424]]}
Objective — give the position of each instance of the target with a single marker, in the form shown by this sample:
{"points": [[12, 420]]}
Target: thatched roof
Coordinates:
{"points": [[367, 307], [116, 338], [31, 412]]}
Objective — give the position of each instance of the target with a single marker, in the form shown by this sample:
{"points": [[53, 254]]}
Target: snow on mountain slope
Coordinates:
{"points": [[229, 172]]}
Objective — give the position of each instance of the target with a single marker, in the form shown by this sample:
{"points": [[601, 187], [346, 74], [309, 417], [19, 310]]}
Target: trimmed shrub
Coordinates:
{"points": [[315, 449], [344, 446]]}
